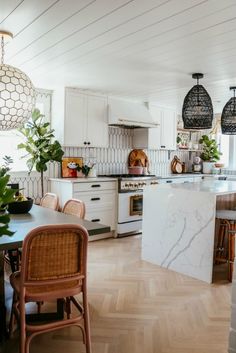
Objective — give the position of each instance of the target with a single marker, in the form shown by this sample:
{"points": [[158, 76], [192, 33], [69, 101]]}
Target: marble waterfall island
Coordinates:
{"points": [[179, 225]]}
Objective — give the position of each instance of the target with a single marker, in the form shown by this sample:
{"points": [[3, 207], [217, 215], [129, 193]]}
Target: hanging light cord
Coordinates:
{"points": [[2, 50], [198, 102]]}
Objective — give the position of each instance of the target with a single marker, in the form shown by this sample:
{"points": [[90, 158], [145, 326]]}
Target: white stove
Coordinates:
{"points": [[130, 201]]}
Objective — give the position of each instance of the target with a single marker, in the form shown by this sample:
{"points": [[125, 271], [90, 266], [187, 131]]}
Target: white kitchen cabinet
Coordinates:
{"points": [[100, 198], [168, 132], [97, 127], [85, 123], [75, 125], [161, 138]]}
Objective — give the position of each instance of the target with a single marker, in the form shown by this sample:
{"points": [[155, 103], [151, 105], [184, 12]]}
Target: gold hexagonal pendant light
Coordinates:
{"points": [[17, 93]]}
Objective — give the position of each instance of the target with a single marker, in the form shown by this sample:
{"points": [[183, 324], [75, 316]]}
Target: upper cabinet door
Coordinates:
{"points": [[168, 130], [164, 136], [75, 125], [155, 133], [97, 128], [85, 122]]}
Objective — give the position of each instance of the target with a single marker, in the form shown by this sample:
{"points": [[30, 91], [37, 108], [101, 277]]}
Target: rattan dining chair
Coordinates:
{"points": [[74, 207], [54, 265], [50, 200], [12, 258]]}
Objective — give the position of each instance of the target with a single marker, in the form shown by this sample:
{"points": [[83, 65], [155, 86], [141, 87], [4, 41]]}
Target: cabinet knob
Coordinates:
{"points": [[89, 143], [163, 146], [85, 143]]}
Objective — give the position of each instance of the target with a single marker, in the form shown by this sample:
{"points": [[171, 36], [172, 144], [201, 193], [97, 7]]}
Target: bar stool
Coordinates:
{"points": [[225, 251]]}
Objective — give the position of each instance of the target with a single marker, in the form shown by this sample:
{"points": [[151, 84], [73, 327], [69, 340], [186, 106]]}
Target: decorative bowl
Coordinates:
{"points": [[136, 170], [20, 206], [219, 165]]}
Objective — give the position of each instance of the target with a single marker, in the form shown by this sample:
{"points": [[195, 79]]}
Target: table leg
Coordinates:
{"points": [[3, 324]]}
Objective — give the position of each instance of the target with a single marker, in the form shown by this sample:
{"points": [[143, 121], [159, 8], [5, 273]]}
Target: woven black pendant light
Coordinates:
{"points": [[197, 111], [228, 117]]}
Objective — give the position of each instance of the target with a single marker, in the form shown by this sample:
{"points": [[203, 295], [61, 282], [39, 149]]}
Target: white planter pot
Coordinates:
{"points": [[207, 167]]}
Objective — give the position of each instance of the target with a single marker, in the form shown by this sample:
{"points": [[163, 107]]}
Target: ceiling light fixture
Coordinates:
{"points": [[228, 116], [17, 93], [197, 111]]}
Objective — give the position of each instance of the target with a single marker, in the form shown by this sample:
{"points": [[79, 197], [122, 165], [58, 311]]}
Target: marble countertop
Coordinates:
{"points": [[99, 179], [82, 180], [182, 175], [217, 187]]}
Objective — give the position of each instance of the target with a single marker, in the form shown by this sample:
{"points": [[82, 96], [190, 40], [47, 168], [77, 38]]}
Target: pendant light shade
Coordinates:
{"points": [[197, 111], [17, 94], [228, 117]]}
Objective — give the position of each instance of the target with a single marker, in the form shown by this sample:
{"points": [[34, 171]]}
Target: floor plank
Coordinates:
{"points": [[137, 307]]}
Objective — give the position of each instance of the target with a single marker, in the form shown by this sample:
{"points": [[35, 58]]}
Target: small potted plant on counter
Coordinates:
{"points": [[210, 154]]}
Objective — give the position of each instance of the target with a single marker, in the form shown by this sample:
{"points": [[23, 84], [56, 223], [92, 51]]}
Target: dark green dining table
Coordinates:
{"points": [[21, 224]]}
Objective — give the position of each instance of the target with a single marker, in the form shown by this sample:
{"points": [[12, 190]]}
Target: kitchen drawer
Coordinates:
{"points": [[94, 186], [105, 217], [105, 199]]}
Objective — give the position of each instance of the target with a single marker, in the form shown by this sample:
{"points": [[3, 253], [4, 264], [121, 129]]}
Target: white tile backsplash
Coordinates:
{"points": [[114, 158], [108, 161]]}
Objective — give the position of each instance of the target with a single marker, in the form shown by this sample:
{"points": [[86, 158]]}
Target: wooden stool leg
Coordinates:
{"points": [[220, 255], [39, 306], [231, 254]]}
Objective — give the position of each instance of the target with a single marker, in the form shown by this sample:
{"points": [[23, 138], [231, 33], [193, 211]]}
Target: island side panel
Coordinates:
{"points": [[178, 230]]}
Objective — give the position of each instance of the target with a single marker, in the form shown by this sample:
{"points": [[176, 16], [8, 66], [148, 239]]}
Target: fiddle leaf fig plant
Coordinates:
{"points": [[6, 165], [40, 145], [210, 152], [6, 197]]}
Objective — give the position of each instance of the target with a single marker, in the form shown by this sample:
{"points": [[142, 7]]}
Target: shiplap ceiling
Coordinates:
{"points": [[142, 49]]}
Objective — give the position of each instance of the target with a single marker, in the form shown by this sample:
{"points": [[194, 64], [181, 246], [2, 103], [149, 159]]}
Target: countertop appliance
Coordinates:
{"points": [[197, 166], [130, 201]]}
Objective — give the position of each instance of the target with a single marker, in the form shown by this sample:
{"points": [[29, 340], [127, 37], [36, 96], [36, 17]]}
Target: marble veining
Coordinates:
{"points": [[175, 244], [190, 241], [178, 230]]}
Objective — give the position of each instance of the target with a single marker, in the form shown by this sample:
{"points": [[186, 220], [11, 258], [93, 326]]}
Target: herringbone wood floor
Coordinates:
{"points": [[136, 307]]}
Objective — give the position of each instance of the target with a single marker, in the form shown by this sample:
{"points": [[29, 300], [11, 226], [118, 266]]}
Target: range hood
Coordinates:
{"points": [[129, 114]]}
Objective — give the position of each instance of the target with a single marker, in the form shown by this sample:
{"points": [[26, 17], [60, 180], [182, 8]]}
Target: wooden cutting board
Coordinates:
{"points": [[138, 158], [176, 165]]}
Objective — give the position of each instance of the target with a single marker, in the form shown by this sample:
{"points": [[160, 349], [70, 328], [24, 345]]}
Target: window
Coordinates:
{"points": [[224, 149], [9, 140]]}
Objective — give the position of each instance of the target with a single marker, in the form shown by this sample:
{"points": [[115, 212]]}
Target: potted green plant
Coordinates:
{"points": [[40, 145], [85, 169], [210, 154], [6, 197]]}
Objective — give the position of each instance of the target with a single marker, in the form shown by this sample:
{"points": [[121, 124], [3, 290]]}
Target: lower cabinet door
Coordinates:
{"points": [[105, 217]]}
